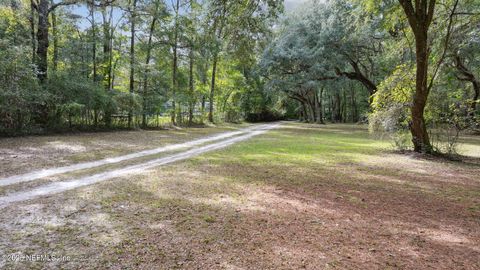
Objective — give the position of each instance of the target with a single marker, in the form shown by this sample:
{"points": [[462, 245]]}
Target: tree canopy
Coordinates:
{"points": [[402, 66]]}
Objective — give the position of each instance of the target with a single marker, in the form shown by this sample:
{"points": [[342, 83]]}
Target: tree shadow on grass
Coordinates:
{"points": [[250, 207], [379, 210], [165, 225], [211, 216]]}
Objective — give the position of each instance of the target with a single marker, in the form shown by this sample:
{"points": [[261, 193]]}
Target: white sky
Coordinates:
{"points": [[292, 4]]}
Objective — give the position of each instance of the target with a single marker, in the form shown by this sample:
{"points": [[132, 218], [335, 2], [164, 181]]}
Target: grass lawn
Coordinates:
{"points": [[298, 197]]}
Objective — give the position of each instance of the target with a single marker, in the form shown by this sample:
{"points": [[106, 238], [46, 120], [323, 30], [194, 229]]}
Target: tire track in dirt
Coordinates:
{"points": [[61, 186], [35, 175]]}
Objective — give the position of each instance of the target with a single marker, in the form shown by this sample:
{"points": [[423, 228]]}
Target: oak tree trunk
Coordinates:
{"points": [[418, 128], [420, 18]]}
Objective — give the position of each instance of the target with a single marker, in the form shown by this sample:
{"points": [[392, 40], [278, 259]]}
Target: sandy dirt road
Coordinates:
{"points": [[191, 149]]}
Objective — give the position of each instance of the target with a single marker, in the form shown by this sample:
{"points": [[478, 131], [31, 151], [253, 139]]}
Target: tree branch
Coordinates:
{"points": [[431, 11], [447, 41], [34, 4], [64, 3], [410, 12]]}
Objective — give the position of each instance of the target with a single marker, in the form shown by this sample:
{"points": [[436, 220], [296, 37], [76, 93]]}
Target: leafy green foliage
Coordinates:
{"points": [[336, 60], [391, 102], [20, 94]]}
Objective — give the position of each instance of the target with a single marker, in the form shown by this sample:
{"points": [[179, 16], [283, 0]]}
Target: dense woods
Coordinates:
{"points": [[408, 68], [240, 134], [129, 63], [403, 66]]}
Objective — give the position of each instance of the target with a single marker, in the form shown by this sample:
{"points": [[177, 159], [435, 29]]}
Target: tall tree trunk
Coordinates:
{"points": [[420, 19], [218, 27], [418, 128], [344, 107], [55, 40], [318, 113], [313, 114], [44, 8], [175, 63], [312, 104], [107, 58], [108, 31], [32, 31], [132, 56], [147, 70], [42, 40], [305, 113], [332, 109], [94, 41], [318, 106], [106, 47], [191, 102], [174, 82], [337, 107], [212, 88]]}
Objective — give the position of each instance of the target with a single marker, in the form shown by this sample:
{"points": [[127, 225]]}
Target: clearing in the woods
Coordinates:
{"points": [[297, 196]]}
